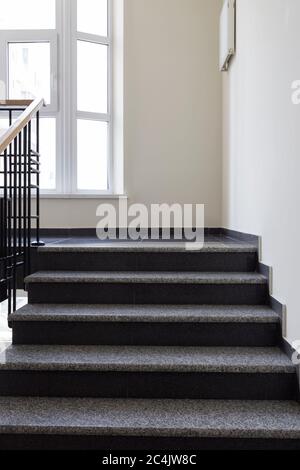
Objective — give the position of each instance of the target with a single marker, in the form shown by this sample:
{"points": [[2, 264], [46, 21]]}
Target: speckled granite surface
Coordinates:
{"points": [[181, 418], [168, 246], [145, 277], [147, 313], [146, 359]]}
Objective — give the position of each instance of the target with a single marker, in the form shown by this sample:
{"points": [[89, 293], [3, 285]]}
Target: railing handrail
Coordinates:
{"points": [[19, 183], [32, 108]]}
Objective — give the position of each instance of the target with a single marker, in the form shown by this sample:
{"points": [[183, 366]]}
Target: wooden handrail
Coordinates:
{"points": [[19, 103], [33, 107]]}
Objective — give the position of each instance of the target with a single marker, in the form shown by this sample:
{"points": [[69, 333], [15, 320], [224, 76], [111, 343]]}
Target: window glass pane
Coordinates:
{"points": [[29, 70], [92, 17], [92, 77], [4, 123], [92, 153], [27, 14], [47, 152]]}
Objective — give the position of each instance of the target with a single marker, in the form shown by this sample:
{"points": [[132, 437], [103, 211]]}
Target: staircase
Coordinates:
{"points": [[142, 347]]}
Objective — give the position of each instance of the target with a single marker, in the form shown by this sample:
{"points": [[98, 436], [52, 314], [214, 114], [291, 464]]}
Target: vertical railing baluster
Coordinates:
{"points": [[9, 255], [2, 273], [15, 221], [5, 215], [18, 164], [24, 217], [10, 223], [37, 241], [29, 156], [20, 174], [38, 180]]}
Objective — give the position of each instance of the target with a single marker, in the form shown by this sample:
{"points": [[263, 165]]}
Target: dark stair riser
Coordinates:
{"points": [[162, 261], [155, 334], [172, 385], [129, 293], [138, 443]]}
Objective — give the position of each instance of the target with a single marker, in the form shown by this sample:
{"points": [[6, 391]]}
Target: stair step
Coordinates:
{"points": [[87, 277], [147, 247], [147, 372], [146, 359], [147, 287], [163, 325], [146, 313], [147, 257], [115, 424]]}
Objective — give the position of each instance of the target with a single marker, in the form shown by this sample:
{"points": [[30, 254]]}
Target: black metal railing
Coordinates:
{"points": [[19, 193]]}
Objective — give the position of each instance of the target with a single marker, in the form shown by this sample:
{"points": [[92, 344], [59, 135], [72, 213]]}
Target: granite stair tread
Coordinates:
{"points": [[146, 359], [148, 247], [83, 277], [169, 418], [146, 313]]}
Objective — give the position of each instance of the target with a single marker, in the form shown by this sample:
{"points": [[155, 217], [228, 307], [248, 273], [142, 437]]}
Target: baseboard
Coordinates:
{"points": [[265, 271], [67, 232], [91, 232], [287, 348], [289, 351], [245, 237], [285, 345], [277, 306]]}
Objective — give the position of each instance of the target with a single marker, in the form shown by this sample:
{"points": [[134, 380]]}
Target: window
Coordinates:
{"points": [[29, 70], [61, 50], [93, 95], [95, 23], [29, 14]]}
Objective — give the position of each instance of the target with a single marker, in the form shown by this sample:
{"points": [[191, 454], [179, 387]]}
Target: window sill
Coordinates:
{"points": [[83, 196]]}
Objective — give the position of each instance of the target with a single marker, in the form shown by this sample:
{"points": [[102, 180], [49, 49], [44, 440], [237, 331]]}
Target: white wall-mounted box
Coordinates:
{"points": [[227, 34]]}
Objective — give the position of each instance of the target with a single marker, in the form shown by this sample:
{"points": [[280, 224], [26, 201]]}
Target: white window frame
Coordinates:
{"points": [[31, 36], [63, 106], [77, 114], [52, 109]]}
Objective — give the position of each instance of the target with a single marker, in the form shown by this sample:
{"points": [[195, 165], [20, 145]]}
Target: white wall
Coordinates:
{"points": [[172, 111], [261, 171]]}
